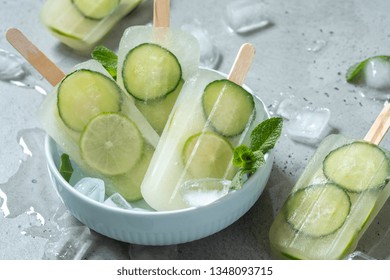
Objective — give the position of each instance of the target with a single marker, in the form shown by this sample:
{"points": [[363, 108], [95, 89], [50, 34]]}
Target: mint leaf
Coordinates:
{"points": [[265, 135], [243, 156], [107, 58], [249, 159], [249, 166], [66, 169], [355, 72], [238, 180]]}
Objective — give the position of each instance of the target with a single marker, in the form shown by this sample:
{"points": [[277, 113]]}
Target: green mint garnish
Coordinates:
{"points": [[107, 58], [249, 159], [66, 169], [355, 72]]}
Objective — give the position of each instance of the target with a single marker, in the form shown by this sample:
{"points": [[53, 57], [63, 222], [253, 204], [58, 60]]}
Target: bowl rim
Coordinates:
{"points": [[49, 142]]}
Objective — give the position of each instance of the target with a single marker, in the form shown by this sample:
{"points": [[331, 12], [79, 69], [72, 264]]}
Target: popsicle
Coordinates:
{"points": [[336, 198], [81, 24], [211, 116], [93, 121], [153, 64]]}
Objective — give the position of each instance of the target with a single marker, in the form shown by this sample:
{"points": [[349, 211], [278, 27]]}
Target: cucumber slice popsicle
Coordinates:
{"points": [[81, 24], [153, 63], [99, 127], [336, 198], [190, 149]]}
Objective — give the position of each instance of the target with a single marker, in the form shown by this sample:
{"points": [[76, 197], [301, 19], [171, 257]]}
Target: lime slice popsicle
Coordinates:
{"points": [[193, 145], [93, 121]]}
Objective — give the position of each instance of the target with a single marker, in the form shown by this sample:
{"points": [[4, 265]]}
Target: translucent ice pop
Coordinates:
{"points": [[211, 116], [81, 24], [340, 192], [153, 64], [93, 121]]}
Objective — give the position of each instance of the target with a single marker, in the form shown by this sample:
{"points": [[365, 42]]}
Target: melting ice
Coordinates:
{"points": [[204, 191], [245, 16]]}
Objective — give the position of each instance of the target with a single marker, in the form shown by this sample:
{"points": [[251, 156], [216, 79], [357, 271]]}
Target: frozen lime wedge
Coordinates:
{"points": [[111, 143], [208, 155]]}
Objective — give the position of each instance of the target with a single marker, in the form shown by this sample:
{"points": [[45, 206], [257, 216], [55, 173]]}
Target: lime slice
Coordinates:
{"points": [[111, 143], [208, 155], [84, 94]]}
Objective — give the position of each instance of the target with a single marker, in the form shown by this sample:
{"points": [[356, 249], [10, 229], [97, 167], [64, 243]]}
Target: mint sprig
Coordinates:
{"points": [[66, 169], [107, 58], [248, 159], [355, 73]]}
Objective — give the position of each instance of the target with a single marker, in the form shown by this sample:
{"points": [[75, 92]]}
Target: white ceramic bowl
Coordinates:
{"points": [[157, 228]]}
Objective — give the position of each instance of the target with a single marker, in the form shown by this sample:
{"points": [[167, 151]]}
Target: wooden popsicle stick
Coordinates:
{"points": [[379, 127], [34, 56], [161, 13], [242, 64]]}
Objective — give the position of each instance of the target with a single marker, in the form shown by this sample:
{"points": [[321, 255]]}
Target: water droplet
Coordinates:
{"points": [[317, 46]]}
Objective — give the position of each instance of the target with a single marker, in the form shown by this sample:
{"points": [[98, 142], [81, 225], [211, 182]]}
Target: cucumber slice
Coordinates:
{"points": [[150, 72], [318, 210], [157, 112], [357, 167], [208, 155], [129, 184], [228, 107], [111, 143], [84, 94], [95, 9]]}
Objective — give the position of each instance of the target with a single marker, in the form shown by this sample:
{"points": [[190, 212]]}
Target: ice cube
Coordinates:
{"points": [[91, 187], [204, 191], [141, 252], [72, 244], [245, 16], [309, 126], [209, 53], [116, 200], [377, 73], [358, 255], [11, 66], [289, 108]]}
